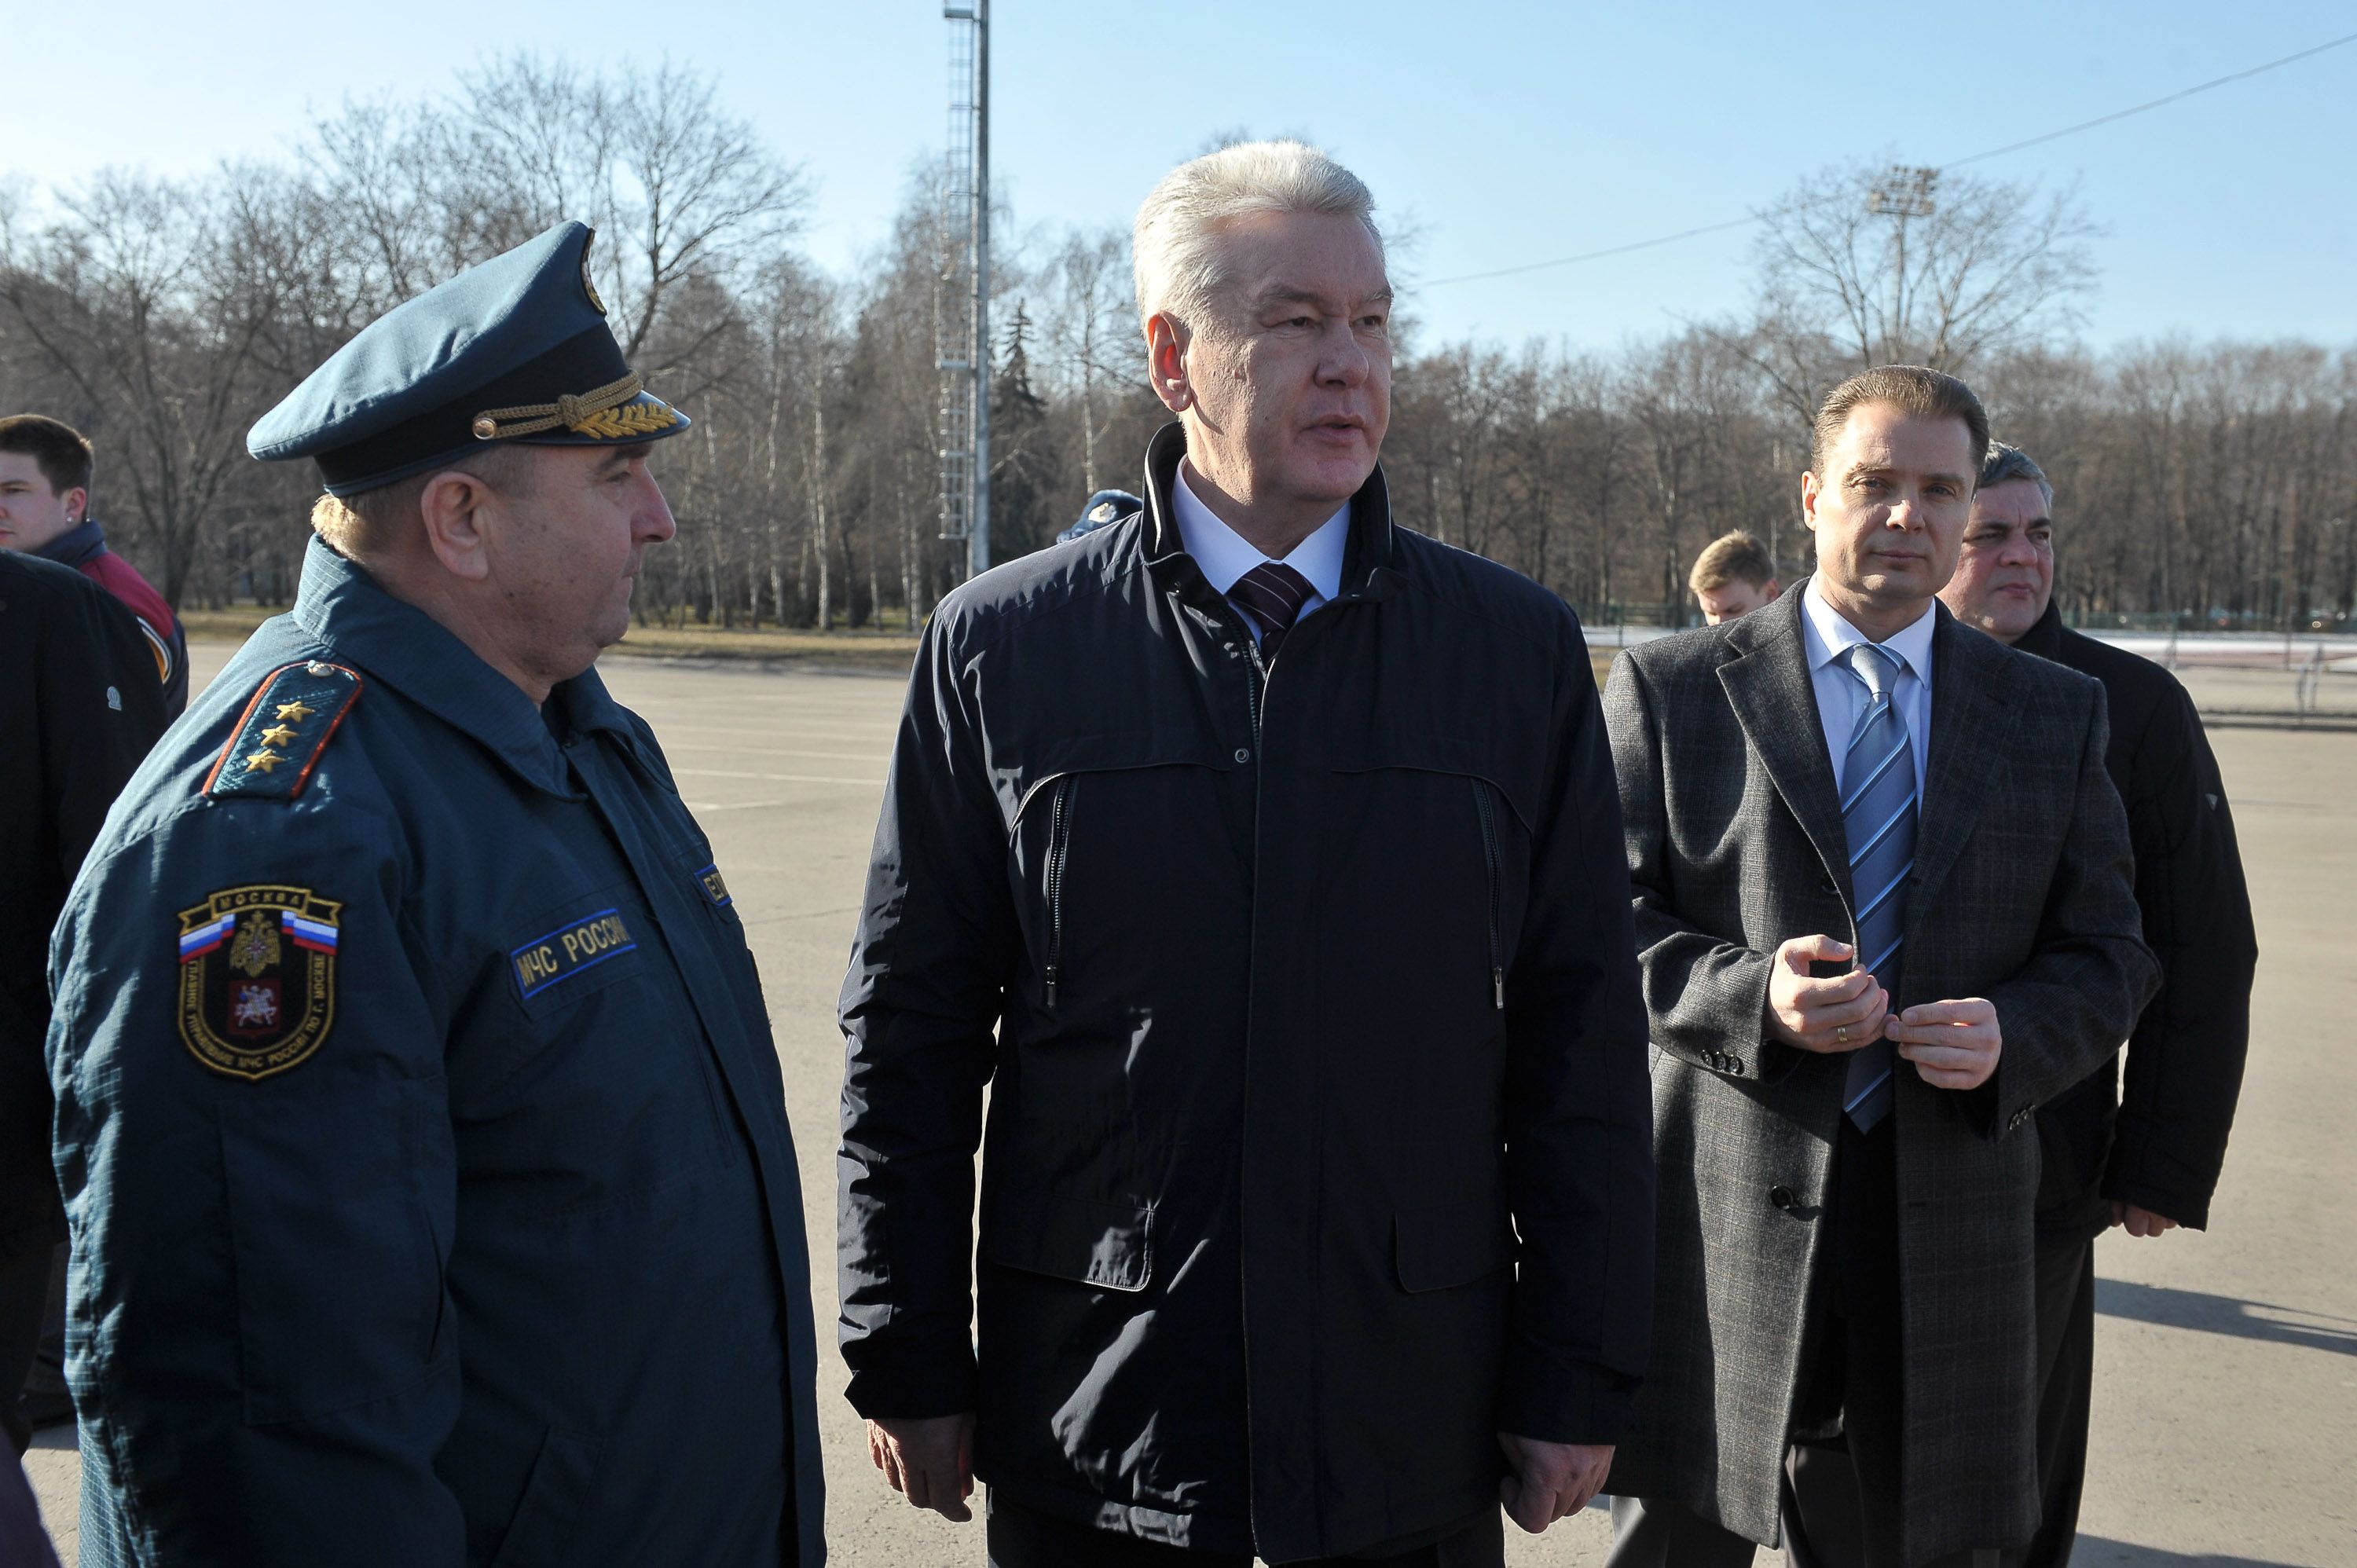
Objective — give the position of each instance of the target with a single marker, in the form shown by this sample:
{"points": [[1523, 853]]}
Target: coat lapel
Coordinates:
{"points": [[1969, 697], [1768, 686]]}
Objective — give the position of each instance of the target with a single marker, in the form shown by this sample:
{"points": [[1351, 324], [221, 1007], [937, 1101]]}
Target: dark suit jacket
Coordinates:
{"points": [[2160, 1145], [2021, 894]]}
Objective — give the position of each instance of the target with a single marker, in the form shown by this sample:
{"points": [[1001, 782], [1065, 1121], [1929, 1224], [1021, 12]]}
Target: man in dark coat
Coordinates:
{"points": [[418, 1117], [78, 708], [2146, 1162], [46, 468], [1292, 943], [1883, 899]]}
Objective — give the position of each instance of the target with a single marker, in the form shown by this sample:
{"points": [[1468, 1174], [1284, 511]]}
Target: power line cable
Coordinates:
{"points": [[1749, 218]]}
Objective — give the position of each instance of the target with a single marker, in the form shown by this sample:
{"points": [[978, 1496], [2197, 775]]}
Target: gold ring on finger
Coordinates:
{"points": [[1841, 1034]]}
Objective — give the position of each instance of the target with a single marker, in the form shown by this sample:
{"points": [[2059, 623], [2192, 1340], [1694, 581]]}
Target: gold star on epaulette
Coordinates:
{"points": [[278, 734], [263, 761], [294, 711]]}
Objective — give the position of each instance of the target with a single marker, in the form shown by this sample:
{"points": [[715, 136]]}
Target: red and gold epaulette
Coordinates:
{"points": [[279, 739]]}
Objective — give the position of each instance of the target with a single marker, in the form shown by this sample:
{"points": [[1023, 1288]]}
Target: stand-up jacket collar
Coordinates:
{"points": [[76, 545], [407, 649], [2044, 637], [1371, 546]]}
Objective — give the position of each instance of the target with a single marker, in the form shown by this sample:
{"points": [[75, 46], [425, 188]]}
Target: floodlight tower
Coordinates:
{"points": [[1902, 193], [962, 295]]}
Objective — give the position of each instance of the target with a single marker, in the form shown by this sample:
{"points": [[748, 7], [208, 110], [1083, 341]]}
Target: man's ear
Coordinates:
{"points": [[1768, 595], [1809, 493], [455, 505], [1166, 361], [76, 504]]}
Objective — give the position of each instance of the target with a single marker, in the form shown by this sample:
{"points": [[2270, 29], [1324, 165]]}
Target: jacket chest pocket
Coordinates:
{"points": [[598, 1082], [1486, 805], [1103, 858], [1060, 847], [1429, 835]]}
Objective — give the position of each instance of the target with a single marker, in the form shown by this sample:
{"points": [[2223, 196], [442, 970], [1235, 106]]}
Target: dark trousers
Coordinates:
{"points": [[1842, 1484], [2066, 1381], [47, 1377], [1023, 1537], [24, 1294]]}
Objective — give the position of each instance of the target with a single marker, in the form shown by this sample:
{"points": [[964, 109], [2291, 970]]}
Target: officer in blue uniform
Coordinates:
{"points": [[419, 1123]]}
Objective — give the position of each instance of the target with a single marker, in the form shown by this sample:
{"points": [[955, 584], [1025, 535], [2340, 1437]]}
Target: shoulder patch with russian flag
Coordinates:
{"points": [[284, 729], [258, 978]]}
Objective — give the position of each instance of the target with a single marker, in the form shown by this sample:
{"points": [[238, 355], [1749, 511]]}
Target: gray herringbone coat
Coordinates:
{"points": [[2023, 893]]}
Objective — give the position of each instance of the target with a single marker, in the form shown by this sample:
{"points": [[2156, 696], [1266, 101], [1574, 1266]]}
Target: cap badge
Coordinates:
{"points": [[608, 413]]}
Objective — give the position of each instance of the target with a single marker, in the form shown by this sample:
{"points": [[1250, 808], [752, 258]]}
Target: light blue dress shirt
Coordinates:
{"points": [[1842, 696], [1225, 555]]}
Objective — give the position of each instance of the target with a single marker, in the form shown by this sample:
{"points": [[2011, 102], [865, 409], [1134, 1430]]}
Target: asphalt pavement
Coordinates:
{"points": [[2226, 1392]]}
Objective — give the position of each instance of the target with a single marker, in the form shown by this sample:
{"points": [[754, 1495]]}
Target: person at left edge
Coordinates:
{"points": [[78, 708], [46, 469], [420, 1128]]}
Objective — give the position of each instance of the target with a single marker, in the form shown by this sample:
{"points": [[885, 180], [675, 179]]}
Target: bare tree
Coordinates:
{"points": [[1861, 266], [681, 189], [135, 297], [1092, 337]]}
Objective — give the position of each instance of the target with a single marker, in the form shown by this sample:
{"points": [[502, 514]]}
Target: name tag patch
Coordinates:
{"points": [[716, 886], [569, 949]]}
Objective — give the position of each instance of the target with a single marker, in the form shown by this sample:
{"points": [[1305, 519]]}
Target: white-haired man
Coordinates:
{"points": [[1294, 944]]}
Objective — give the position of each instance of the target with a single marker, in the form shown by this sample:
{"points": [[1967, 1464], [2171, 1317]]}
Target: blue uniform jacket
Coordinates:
{"points": [[422, 1136]]}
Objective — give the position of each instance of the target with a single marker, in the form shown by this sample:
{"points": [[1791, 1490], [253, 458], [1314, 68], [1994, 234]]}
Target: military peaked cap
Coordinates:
{"points": [[1104, 507], [515, 350]]}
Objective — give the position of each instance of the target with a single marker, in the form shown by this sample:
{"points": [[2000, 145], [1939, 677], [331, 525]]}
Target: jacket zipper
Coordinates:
{"points": [[1059, 835], [1490, 855], [1253, 684], [1254, 676]]}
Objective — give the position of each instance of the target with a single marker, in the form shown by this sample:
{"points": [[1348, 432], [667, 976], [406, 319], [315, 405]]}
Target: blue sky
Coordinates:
{"points": [[1507, 132]]}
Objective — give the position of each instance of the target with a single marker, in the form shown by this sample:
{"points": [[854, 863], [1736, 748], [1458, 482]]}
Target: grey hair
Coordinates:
{"points": [[2005, 462], [1179, 262]]}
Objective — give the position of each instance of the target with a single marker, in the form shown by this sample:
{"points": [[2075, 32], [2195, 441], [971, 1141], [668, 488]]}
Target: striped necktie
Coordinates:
{"points": [[1878, 820], [1274, 592]]}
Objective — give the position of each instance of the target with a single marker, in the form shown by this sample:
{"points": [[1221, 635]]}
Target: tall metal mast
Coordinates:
{"points": [[1899, 194], [962, 297]]}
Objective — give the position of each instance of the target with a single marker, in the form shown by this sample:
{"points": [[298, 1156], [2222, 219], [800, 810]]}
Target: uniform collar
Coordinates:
{"points": [[76, 545], [1225, 555], [1829, 636], [399, 644]]}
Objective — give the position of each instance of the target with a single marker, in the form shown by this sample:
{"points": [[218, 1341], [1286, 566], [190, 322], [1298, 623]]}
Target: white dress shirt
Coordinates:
{"points": [[1842, 696], [1225, 555]]}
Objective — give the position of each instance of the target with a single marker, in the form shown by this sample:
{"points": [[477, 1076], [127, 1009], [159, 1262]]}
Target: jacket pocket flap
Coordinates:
{"points": [[1108, 1245], [1024, 782], [1512, 764], [1452, 1245]]}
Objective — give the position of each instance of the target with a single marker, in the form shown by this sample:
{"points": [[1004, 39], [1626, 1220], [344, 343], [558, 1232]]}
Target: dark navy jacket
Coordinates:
{"points": [[422, 1136], [83, 548], [1318, 1140], [77, 713], [2162, 1143]]}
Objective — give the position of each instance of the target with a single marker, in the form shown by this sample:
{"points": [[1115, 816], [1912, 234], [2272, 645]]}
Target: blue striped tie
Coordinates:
{"points": [[1878, 820]]}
